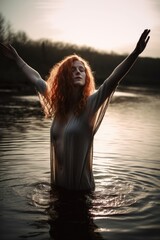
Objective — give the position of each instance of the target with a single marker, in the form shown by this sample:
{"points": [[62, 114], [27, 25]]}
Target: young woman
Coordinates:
{"points": [[69, 97]]}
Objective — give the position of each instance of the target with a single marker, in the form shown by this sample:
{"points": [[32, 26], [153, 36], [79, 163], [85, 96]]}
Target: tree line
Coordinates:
{"points": [[43, 54]]}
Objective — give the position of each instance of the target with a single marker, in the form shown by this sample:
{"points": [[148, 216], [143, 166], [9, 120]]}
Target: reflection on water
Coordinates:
{"points": [[125, 204]]}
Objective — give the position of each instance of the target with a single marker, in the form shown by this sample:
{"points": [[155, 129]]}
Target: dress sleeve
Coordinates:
{"points": [[98, 102], [41, 86], [32, 75]]}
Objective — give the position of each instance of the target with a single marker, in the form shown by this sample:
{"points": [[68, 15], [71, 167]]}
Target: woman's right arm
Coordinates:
{"points": [[30, 73]]}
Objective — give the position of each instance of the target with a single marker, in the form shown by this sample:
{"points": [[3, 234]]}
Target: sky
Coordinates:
{"points": [[106, 25]]}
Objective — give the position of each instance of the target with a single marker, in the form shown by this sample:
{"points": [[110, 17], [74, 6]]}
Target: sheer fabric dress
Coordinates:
{"points": [[71, 143]]}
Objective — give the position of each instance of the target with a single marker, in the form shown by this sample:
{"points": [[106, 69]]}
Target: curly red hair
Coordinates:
{"points": [[58, 99]]}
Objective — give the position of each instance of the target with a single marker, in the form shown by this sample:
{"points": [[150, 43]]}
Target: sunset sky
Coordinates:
{"points": [[108, 25]]}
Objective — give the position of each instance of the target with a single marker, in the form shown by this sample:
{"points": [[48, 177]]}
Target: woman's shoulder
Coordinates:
{"points": [[41, 85]]}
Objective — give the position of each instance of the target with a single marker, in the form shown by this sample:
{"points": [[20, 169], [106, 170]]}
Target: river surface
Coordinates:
{"points": [[126, 202]]}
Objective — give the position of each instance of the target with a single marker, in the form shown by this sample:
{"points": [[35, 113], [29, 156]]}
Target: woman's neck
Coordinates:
{"points": [[76, 95]]}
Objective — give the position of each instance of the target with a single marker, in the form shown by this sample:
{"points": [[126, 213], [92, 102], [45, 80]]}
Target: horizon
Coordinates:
{"points": [[84, 24]]}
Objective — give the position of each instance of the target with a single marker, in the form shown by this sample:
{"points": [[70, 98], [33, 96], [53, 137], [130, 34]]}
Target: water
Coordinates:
{"points": [[126, 202]]}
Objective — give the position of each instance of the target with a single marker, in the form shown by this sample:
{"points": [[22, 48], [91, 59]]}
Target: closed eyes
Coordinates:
{"points": [[81, 69]]}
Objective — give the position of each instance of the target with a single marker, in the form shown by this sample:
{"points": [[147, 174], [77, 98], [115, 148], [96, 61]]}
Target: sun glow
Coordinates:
{"points": [[115, 24], [107, 25]]}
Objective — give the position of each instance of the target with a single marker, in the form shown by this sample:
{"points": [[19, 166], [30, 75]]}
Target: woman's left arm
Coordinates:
{"points": [[108, 87], [123, 68]]}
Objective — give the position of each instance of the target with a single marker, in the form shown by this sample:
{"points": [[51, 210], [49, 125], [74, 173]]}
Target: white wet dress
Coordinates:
{"points": [[72, 142]]}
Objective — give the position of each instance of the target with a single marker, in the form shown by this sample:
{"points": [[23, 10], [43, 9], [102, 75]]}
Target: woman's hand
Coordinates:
{"points": [[142, 41], [8, 51]]}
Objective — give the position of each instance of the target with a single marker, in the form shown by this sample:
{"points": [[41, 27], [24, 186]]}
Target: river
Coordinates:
{"points": [[126, 202]]}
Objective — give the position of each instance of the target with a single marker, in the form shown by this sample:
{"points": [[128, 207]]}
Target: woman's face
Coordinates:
{"points": [[78, 73]]}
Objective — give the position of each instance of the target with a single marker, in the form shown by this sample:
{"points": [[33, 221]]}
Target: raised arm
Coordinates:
{"points": [[123, 68], [10, 52], [110, 84]]}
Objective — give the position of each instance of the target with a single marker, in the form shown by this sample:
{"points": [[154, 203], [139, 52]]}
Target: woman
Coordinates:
{"points": [[77, 110]]}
